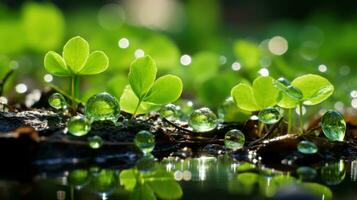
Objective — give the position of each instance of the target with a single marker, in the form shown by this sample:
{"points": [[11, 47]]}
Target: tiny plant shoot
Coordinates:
{"points": [[257, 97], [144, 92], [76, 61], [309, 89]]}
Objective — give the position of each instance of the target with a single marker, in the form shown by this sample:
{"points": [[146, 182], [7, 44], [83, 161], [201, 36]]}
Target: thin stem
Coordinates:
{"points": [[72, 192], [3, 81], [289, 120], [261, 126], [301, 119], [136, 109], [65, 93], [74, 90]]}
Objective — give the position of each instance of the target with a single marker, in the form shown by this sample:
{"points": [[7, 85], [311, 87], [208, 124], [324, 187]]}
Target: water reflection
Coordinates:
{"points": [[174, 178]]}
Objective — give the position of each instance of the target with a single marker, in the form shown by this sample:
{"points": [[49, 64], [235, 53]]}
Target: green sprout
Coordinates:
{"points": [[144, 92], [257, 97], [309, 89], [76, 61]]}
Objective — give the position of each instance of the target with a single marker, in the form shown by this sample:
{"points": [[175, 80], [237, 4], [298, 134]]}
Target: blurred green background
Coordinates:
{"points": [[212, 45]]}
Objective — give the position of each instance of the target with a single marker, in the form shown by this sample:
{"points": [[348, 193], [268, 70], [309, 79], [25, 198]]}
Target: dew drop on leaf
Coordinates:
{"points": [[102, 106], [170, 111], [78, 126], [57, 101], [234, 139], [333, 125], [269, 116], [145, 141], [203, 120], [307, 147], [95, 142]]}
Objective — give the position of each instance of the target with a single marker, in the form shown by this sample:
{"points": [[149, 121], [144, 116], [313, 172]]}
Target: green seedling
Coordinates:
{"points": [[144, 92], [76, 61], [261, 96], [309, 89]]}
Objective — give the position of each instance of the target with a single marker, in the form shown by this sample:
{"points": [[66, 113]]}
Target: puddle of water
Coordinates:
{"points": [[195, 178]]}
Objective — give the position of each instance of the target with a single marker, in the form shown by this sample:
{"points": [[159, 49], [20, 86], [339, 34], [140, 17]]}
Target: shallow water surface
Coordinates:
{"points": [[195, 178]]}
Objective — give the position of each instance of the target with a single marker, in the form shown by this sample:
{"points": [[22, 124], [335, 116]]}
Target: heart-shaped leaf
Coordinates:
{"points": [[142, 75], [244, 97], [129, 102], [75, 54], [261, 95], [128, 179], [166, 89], [265, 93], [315, 89], [97, 63], [164, 185], [55, 64], [142, 192]]}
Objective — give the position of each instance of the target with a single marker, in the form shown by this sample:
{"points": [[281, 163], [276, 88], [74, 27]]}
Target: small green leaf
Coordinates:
{"points": [[97, 63], [287, 102], [75, 53], [265, 93], [55, 65], [129, 101], [314, 88], [166, 89], [165, 186], [142, 192], [142, 75], [244, 97], [128, 179]]}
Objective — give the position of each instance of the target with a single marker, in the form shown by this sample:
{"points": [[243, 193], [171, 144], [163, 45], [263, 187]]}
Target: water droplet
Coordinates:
{"points": [[333, 125], [203, 120], [170, 112], [145, 141], [95, 142], [102, 106], [307, 147], [78, 178], [269, 116], [57, 101], [333, 173], [306, 173], [234, 139], [78, 126], [284, 81]]}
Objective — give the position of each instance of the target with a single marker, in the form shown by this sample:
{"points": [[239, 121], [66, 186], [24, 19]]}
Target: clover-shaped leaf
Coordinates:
{"points": [[142, 75], [314, 88], [144, 92], [76, 60], [262, 94]]}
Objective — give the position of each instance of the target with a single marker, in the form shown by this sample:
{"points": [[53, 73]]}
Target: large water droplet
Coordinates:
{"points": [[203, 120], [95, 142], [234, 139], [294, 92], [145, 141], [170, 112], [333, 125], [78, 126], [333, 173], [269, 115], [102, 106], [57, 101], [307, 147]]}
